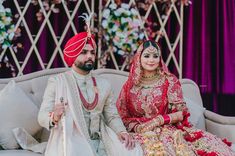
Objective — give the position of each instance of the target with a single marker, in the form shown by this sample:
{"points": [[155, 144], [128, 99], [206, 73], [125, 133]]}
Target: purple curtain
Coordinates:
{"points": [[209, 52]]}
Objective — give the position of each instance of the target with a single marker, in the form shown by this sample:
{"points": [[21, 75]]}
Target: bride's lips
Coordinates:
{"points": [[150, 64]]}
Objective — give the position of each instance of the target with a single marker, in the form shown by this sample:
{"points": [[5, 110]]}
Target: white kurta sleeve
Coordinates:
{"points": [[47, 103], [111, 115]]}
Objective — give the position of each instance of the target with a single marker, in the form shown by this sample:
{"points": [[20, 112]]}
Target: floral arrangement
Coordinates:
{"points": [[6, 26], [8, 34], [122, 28]]}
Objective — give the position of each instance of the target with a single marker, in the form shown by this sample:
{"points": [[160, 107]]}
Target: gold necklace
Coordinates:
{"points": [[149, 82], [150, 78]]}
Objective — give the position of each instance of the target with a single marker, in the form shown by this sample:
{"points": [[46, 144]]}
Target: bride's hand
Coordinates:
{"points": [[179, 115], [176, 117]]}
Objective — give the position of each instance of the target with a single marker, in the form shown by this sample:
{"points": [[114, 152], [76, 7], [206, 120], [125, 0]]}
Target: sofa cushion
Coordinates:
{"points": [[18, 153], [233, 147], [196, 113], [17, 110], [27, 142]]}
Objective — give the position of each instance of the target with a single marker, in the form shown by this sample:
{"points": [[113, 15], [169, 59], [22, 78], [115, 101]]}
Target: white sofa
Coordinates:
{"points": [[34, 85]]}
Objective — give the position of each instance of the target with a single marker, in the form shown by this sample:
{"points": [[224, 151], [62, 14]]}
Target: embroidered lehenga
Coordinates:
{"points": [[143, 100]]}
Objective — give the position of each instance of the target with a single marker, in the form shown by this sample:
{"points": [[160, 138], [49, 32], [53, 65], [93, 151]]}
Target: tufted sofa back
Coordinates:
{"points": [[34, 85]]}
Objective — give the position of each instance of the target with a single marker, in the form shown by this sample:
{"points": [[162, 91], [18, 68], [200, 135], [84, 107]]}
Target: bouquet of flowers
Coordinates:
{"points": [[121, 27], [6, 26]]}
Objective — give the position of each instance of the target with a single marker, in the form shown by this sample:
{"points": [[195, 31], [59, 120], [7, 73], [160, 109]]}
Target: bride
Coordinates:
{"points": [[152, 107]]}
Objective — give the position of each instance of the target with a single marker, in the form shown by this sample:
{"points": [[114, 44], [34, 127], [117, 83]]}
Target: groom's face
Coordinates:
{"points": [[86, 60]]}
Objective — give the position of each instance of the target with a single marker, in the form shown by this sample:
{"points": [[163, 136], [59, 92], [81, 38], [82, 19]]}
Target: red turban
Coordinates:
{"points": [[75, 45]]}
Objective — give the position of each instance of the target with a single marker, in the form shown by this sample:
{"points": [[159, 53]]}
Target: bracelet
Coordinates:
{"points": [[161, 120], [167, 119], [139, 128], [135, 127], [170, 119]]}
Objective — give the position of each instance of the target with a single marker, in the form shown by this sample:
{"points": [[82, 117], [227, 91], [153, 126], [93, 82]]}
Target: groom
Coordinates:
{"points": [[79, 109]]}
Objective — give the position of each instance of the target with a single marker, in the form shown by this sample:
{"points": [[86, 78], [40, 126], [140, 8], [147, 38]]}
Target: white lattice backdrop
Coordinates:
{"points": [[90, 6]]}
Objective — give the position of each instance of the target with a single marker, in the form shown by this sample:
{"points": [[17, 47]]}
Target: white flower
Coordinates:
{"points": [[115, 28], [120, 35], [8, 10], [121, 52], [4, 46], [105, 24], [12, 27], [2, 9], [1, 1], [8, 19], [1, 39], [106, 13], [6, 59], [109, 31], [114, 48], [141, 36], [127, 12], [129, 19], [133, 47], [11, 35], [2, 25], [106, 37], [123, 20], [135, 35], [4, 34], [119, 11], [113, 6], [10, 30], [118, 44], [134, 11], [136, 22], [125, 6]]}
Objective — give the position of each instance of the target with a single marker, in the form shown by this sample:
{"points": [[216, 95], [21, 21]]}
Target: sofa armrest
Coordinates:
{"points": [[227, 120], [222, 126]]}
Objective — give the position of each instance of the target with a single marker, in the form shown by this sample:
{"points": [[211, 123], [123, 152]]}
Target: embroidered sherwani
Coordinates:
{"points": [[81, 131]]}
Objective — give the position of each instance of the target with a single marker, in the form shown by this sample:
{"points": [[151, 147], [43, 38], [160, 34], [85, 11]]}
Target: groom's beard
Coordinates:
{"points": [[86, 66]]}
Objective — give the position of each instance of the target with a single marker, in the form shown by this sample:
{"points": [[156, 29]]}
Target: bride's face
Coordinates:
{"points": [[150, 59]]}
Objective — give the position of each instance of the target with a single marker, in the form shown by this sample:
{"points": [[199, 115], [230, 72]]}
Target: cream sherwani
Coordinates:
{"points": [[82, 132]]}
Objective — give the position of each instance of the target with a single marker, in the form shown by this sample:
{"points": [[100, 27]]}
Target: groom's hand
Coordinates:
{"points": [[127, 139], [58, 111]]}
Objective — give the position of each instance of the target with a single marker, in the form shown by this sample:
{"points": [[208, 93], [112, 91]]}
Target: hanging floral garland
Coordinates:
{"points": [[7, 35], [6, 26], [121, 27]]}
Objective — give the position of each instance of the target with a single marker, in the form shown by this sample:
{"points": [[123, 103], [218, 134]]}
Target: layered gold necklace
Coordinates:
{"points": [[148, 81]]}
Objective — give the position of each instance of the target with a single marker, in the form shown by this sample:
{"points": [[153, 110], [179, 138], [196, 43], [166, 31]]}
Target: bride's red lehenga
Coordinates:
{"points": [[142, 100]]}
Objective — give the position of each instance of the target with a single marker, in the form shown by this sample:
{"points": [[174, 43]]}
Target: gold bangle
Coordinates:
{"points": [[161, 120], [170, 119], [139, 128]]}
